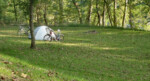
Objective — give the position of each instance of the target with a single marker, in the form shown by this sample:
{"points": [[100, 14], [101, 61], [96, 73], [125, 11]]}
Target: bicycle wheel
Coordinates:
{"points": [[47, 37], [61, 37]]}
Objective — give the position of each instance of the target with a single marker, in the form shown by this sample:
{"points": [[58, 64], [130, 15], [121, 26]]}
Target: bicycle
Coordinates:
{"points": [[52, 36], [22, 30]]}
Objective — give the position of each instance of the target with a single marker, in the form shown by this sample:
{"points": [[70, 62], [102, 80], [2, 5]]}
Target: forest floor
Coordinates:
{"points": [[86, 54]]}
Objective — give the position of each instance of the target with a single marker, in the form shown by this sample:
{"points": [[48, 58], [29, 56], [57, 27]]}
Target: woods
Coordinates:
{"points": [[117, 13]]}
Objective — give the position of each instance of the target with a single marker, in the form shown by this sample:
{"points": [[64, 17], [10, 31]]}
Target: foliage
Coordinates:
{"points": [[63, 12]]}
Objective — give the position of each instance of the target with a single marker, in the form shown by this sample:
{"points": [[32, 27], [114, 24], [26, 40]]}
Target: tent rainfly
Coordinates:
{"points": [[41, 31]]}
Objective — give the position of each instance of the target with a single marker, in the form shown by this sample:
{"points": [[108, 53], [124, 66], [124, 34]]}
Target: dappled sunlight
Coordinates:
{"points": [[112, 48], [109, 33], [8, 31], [11, 36], [78, 44], [106, 48]]}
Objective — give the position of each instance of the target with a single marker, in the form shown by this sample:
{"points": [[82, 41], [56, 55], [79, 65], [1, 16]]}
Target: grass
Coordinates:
{"points": [[109, 55]]}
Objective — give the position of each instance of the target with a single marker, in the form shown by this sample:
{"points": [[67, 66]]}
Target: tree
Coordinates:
{"points": [[115, 20], [108, 11], [15, 10], [88, 19], [104, 13], [130, 14], [124, 13], [79, 11], [60, 11], [45, 13], [98, 13], [31, 25]]}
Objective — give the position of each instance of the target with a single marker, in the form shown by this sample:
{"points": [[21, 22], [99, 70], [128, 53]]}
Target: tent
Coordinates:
{"points": [[41, 31]]}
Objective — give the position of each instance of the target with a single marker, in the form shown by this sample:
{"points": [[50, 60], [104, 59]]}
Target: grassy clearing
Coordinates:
{"points": [[109, 55]]}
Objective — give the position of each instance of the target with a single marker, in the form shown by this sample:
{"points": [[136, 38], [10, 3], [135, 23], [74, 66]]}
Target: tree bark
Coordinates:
{"points": [[60, 12], [31, 25], [88, 19], [130, 14], [98, 14], [124, 13], [45, 14], [109, 13], [79, 11], [15, 10], [115, 20], [94, 19], [103, 14]]}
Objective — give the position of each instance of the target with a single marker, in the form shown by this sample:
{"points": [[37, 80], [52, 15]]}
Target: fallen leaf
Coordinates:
{"points": [[23, 75], [6, 62], [50, 73]]}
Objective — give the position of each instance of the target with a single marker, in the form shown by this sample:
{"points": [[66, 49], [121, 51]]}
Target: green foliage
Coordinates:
{"points": [[67, 13]]}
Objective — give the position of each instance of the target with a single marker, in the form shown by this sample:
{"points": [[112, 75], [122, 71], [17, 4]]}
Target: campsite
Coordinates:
{"points": [[74, 40]]}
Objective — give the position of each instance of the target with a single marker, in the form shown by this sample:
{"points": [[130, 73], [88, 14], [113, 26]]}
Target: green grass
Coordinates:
{"points": [[109, 55]]}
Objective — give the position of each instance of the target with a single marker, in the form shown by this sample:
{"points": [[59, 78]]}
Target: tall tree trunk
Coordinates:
{"points": [[109, 13], [124, 13], [98, 14], [60, 12], [103, 14], [94, 19], [45, 14], [15, 10], [115, 20], [88, 19], [79, 11], [130, 14], [31, 25]]}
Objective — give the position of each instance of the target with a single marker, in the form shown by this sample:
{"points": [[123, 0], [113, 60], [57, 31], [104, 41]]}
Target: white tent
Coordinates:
{"points": [[40, 32]]}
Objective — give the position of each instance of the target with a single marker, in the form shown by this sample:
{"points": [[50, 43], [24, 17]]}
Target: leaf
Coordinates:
{"points": [[23, 75], [6, 62]]}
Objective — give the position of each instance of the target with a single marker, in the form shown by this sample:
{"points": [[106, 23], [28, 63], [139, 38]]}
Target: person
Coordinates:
{"points": [[53, 35]]}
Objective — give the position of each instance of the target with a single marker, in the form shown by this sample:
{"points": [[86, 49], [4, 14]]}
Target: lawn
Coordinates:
{"points": [[108, 55]]}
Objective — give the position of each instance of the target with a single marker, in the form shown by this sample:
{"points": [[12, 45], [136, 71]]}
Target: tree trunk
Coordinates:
{"points": [[88, 19], [94, 19], [124, 13], [109, 13], [15, 10], [98, 14], [103, 14], [45, 14], [60, 11], [115, 20], [79, 11], [130, 14], [31, 25]]}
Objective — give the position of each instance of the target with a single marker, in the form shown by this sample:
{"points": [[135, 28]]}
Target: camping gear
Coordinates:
{"points": [[50, 36], [41, 31], [22, 30]]}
